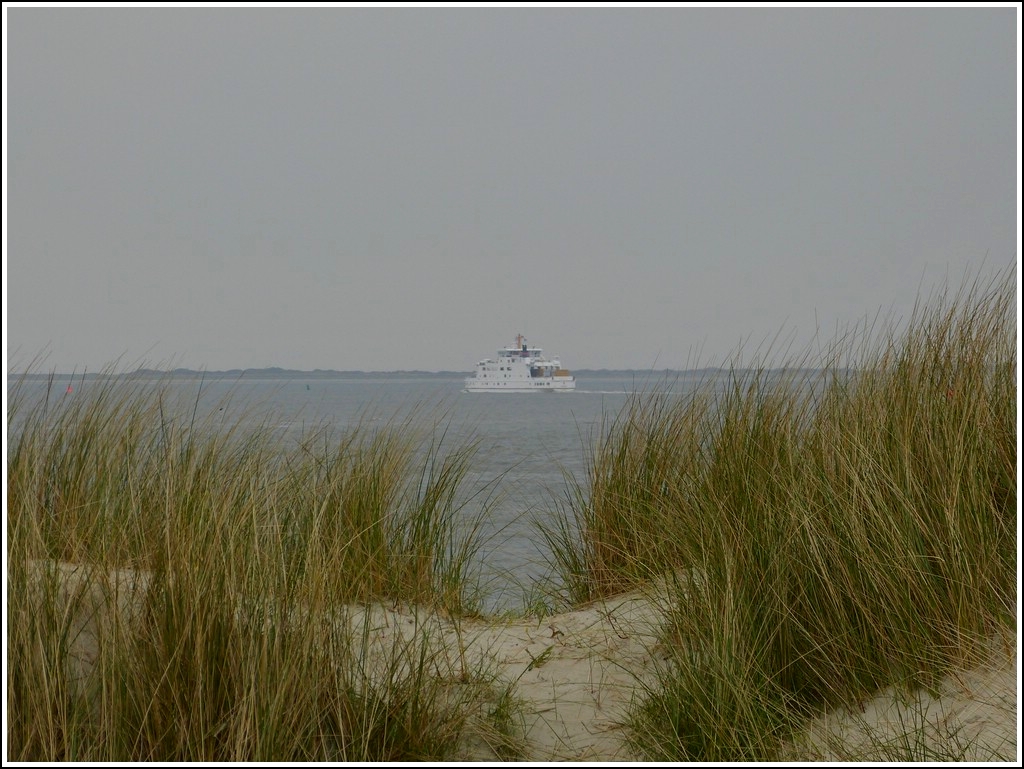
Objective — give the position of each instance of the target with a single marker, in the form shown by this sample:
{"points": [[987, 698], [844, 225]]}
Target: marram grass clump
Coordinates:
{"points": [[182, 591], [832, 527]]}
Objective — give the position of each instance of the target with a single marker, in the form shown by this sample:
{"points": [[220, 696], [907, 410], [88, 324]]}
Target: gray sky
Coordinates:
{"points": [[390, 188]]}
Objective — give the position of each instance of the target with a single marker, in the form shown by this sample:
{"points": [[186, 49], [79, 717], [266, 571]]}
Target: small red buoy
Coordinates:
{"points": [[70, 389]]}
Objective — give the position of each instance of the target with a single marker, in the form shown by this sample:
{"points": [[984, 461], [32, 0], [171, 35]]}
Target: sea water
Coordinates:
{"points": [[529, 444]]}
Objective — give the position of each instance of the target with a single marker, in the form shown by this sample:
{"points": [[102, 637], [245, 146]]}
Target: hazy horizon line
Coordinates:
{"points": [[277, 372]]}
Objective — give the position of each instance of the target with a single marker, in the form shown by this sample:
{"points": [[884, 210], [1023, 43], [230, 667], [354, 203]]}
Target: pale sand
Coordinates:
{"points": [[575, 674], [970, 717]]}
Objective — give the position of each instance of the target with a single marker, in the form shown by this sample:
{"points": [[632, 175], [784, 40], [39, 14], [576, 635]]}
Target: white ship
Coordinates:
{"points": [[520, 369]]}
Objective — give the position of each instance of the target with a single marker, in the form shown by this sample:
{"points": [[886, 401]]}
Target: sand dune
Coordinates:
{"points": [[574, 675]]}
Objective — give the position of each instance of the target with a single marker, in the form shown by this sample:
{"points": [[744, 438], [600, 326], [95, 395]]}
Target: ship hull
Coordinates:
{"points": [[472, 386]]}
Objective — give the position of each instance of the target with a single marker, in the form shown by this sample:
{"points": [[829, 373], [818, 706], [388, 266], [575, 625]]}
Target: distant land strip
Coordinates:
{"points": [[281, 373]]}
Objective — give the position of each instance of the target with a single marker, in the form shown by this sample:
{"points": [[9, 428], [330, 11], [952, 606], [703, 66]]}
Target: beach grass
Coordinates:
{"points": [[832, 527], [179, 590]]}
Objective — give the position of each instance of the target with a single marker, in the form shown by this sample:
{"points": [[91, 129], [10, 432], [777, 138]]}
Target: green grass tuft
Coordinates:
{"points": [[832, 526]]}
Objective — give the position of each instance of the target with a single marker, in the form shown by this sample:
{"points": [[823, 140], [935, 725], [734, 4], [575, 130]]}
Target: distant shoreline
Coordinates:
{"points": [[327, 374]]}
